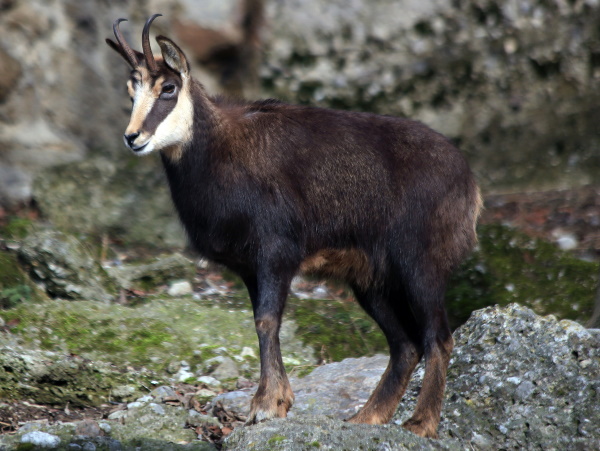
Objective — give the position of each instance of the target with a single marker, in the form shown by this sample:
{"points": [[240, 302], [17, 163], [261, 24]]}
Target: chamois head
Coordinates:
{"points": [[162, 111]]}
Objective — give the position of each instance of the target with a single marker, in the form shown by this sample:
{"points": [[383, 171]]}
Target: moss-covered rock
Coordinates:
{"points": [[56, 378], [509, 266], [152, 334], [129, 201], [65, 266], [152, 274], [157, 428], [15, 284], [336, 329]]}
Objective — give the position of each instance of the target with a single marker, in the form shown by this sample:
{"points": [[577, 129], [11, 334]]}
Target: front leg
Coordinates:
{"points": [[274, 396]]}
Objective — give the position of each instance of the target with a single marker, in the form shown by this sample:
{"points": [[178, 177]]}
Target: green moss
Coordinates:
{"points": [[276, 439], [337, 329], [510, 266], [150, 335], [15, 285], [16, 228]]}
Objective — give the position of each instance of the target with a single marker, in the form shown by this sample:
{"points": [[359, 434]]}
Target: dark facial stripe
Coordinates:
{"points": [[160, 110]]}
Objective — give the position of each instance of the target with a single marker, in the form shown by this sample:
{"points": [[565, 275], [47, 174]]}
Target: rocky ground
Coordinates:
{"points": [[179, 338], [516, 380]]}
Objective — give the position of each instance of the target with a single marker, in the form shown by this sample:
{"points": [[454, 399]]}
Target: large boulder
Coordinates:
{"points": [[126, 198], [65, 267]]}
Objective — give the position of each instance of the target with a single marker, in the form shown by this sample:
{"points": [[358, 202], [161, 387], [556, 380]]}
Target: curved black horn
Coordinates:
{"points": [[123, 43], [150, 62]]}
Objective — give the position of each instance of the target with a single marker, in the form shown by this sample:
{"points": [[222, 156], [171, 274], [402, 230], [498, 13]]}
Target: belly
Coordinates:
{"points": [[350, 265]]}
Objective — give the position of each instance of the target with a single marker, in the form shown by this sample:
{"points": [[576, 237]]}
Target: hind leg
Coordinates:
{"points": [[404, 356], [426, 301]]}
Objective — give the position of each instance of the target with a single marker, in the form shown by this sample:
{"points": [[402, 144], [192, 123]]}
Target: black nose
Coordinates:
{"points": [[129, 139]]}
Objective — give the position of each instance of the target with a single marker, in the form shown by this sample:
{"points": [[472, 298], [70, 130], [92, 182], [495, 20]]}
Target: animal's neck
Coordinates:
{"points": [[205, 124]]}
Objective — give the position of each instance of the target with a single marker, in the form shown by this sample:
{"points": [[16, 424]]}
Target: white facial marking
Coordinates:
{"points": [[176, 128]]}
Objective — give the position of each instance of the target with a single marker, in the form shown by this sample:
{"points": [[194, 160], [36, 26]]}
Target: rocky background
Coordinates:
{"points": [[114, 336]]}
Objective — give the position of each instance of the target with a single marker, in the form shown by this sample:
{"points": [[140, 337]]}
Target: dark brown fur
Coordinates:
{"points": [[386, 204]]}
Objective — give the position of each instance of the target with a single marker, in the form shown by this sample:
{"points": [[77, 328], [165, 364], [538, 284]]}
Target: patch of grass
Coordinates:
{"points": [[16, 228], [10, 297]]}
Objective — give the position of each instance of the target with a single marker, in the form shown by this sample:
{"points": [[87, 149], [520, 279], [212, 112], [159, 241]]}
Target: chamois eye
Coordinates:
{"points": [[168, 89]]}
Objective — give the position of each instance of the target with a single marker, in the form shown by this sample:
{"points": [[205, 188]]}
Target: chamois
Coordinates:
{"points": [[269, 189]]}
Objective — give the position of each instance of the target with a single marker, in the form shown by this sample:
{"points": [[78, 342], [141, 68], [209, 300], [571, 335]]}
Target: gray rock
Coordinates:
{"points": [[162, 392], [41, 439], [160, 271], [204, 395], [210, 382], [180, 288], [65, 266], [337, 389], [226, 370], [127, 199], [322, 432], [196, 419], [525, 381], [236, 402]]}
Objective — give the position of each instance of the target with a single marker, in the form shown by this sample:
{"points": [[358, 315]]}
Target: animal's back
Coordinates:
{"points": [[352, 175]]}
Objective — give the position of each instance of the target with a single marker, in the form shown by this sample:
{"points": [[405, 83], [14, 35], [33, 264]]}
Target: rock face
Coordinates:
{"points": [[125, 197], [515, 83]]}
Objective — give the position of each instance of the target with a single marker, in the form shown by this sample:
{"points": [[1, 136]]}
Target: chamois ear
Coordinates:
{"points": [[117, 48], [173, 56]]}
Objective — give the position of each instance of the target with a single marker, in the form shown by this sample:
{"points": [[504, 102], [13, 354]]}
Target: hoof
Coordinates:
{"points": [[421, 428], [362, 418], [263, 408]]}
